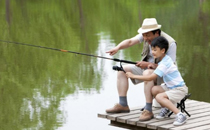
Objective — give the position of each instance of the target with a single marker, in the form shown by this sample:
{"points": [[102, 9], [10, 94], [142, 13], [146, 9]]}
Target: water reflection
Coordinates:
{"points": [[37, 86]]}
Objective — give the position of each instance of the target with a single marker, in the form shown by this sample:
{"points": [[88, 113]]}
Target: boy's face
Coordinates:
{"points": [[149, 36], [157, 52]]}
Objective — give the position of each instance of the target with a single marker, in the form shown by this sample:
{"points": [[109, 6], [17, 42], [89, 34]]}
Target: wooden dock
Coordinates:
{"points": [[199, 120]]}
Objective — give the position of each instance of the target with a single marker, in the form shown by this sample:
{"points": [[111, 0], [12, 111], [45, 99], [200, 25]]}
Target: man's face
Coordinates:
{"points": [[149, 36]]}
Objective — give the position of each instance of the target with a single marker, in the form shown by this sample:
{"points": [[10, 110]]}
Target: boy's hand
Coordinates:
{"points": [[129, 74], [151, 66]]}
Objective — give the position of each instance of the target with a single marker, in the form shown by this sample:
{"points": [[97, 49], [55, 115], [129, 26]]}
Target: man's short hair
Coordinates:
{"points": [[160, 42]]}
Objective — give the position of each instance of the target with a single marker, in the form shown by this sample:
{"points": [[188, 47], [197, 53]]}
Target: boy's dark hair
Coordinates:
{"points": [[157, 30], [160, 42]]}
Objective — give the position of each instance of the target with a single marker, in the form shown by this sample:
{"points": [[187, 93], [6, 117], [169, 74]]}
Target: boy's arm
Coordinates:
{"points": [[141, 77]]}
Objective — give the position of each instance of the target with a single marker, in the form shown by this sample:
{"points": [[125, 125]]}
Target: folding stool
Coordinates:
{"points": [[181, 104]]}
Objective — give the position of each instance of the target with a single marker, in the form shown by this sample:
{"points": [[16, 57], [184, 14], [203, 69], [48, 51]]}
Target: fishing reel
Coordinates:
{"points": [[117, 68]]}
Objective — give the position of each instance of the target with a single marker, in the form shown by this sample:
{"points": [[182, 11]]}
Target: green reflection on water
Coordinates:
{"points": [[34, 81]]}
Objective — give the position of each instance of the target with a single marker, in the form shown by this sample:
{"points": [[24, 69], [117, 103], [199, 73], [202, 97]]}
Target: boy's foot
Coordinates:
{"points": [[163, 112], [118, 109], [146, 115], [180, 119]]}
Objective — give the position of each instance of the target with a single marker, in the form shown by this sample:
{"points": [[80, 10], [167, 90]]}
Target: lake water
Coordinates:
{"points": [[52, 90]]}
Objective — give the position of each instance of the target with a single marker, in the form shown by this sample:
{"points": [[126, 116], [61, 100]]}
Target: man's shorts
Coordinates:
{"points": [[138, 71], [176, 94]]}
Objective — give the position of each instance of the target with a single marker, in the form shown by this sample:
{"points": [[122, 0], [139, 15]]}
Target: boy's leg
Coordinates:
{"points": [[164, 101], [167, 98], [171, 96], [164, 111]]}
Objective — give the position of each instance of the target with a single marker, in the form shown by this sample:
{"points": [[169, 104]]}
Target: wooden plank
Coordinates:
{"points": [[191, 103], [133, 121], [198, 122], [205, 127], [123, 119], [156, 125], [166, 127], [113, 117], [190, 121], [195, 106], [104, 114], [199, 111], [188, 101], [130, 127], [192, 117], [145, 123]]}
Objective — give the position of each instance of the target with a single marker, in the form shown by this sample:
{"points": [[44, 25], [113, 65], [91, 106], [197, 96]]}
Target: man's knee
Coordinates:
{"points": [[127, 68], [122, 73], [148, 72], [146, 83]]}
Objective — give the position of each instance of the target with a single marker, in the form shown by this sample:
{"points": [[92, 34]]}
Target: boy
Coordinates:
{"points": [[173, 89]]}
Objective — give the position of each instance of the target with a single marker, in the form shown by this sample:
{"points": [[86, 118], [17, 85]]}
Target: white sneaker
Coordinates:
{"points": [[163, 112], [180, 119]]}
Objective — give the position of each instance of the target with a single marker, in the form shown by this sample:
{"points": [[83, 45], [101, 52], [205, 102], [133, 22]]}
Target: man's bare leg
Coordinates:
{"points": [[148, 90], [122, 88], [122, 83], [147, 113]]}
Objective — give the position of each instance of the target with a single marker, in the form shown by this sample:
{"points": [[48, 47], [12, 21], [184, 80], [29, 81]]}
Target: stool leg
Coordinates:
{"points": [[170, 114], [183, 110], [182, 105]]}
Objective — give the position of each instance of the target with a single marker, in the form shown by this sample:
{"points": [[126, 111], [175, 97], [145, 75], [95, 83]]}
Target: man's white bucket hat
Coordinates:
{"points": [[149, 24]]}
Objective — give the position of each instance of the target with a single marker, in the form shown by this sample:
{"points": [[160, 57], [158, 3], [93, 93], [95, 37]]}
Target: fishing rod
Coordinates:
{"points": [[114, 59]]}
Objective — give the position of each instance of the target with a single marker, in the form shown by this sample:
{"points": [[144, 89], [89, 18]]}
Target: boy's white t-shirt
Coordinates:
{"points": [[169, 71]]}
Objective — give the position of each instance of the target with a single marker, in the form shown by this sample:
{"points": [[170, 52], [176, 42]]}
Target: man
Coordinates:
{"points": [[150, 29]]}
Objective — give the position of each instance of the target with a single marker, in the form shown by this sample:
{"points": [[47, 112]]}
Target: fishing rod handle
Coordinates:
{"points": [[124, 61]]}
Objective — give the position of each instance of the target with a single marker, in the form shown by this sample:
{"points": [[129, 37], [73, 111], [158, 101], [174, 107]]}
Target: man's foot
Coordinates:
{"points": [[118, 109], [180, 119], [146, 115], [163, 112]]}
